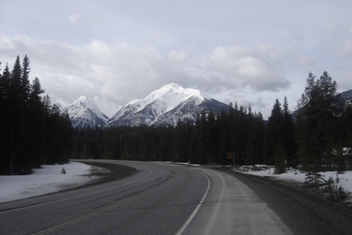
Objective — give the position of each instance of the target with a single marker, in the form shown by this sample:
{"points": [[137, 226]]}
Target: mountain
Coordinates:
{"points": [[60, 104], [189, 110], [90, 112], [162, 107], [347, 96], [165, 106], [105, 106]]}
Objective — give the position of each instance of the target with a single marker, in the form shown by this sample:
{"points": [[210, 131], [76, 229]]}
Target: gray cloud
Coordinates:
{"points": [[121, 72], [247, 51], [73, 18], [238, 67]]}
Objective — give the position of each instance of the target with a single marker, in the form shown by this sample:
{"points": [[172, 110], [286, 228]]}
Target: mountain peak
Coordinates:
{"points": [[156, 104], [164, 106], [170, 87], [174, 85], [82, 98], [170, 95]]}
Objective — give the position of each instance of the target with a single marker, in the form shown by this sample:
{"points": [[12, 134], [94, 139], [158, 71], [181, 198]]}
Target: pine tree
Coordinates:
{"points": [[15, 118], [289, 141], [319, 110], [4, 120], [240, 135], [25, 84], [25, 124], [255, 140], [211, 140], [274, 133], [224, 127], [31, 129], [36, 124]]}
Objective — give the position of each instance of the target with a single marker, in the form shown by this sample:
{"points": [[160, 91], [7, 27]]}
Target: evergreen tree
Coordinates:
{"points": [[36, 124], [25, 84], [15, 118], [4, 120], [274, 132], [255, 140], [25, 124], [31, 129], [223, 125], [239, 135], [211, 140], [319, 110], [289, 141]]}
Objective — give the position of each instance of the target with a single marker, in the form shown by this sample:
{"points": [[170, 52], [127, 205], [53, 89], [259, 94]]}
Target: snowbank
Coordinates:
{"points": [[293, 175], [43, 181]]}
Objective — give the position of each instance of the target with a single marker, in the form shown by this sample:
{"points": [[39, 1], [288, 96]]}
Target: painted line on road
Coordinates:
{"points": [[83, 195], [195, 210]]}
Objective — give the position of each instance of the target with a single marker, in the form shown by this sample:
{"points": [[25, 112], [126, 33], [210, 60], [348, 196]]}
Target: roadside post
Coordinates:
{"points": [[231, 156]]}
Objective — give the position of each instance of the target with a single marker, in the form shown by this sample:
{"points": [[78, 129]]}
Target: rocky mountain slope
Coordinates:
{"points": [[165, 106]]}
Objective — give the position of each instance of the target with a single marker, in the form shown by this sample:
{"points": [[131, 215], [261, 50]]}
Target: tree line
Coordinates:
{"points": [[32, 130], [314, 138], [211, 138]]}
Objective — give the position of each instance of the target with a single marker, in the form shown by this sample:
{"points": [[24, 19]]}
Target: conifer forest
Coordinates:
{"points": [[34, 132]]}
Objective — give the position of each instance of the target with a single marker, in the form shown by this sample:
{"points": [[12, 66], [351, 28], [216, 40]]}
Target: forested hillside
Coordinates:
{"points": [[318, 138], [32, 130], [208, 140]]}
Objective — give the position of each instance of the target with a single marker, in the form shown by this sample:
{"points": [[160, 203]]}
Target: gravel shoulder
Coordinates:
{"points": [[301, 211]]}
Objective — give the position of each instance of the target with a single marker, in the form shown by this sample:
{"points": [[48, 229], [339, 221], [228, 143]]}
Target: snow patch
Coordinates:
{"points": [[46, 180], [294, 175]]}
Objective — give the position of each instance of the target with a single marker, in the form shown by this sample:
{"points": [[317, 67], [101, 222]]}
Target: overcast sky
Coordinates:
{"points": [[249, 51]]}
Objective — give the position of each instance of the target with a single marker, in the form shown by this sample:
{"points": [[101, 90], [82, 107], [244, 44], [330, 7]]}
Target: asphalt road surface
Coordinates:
{"points": [[172, 199]]}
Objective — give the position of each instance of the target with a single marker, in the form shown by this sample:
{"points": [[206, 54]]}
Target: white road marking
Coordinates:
{"points": [[195, 210]]}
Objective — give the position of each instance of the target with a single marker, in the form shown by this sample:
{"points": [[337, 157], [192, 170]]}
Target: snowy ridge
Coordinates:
{"points": [[165, 106], [147, 111], [170, 95], [60, 104], [77, 108], [107, 107], [90, 112]]}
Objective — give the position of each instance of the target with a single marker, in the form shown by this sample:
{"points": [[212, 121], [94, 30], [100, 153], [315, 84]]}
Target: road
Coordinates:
{"points": [[158, 199]]}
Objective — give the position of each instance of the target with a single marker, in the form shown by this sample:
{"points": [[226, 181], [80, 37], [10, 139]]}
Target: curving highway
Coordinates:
{"points": [[158, 199]]}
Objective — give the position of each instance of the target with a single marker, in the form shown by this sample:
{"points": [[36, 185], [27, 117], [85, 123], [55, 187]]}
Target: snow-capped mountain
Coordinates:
{"points": [[165, 106], [347, 96], [105, 106], [90, 112], [60, 104]]}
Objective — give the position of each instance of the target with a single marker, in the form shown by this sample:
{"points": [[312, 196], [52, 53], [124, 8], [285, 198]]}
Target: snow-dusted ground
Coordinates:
{"points": [[49, 179], [43, 181], [293, 175]]}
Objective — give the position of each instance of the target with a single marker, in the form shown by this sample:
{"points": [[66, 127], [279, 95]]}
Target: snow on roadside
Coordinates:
{"points": [[294, 175], [46, 180]]}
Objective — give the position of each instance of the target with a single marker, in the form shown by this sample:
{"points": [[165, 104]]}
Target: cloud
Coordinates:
{"points": [[246, 66], [178, 55], [73, 18], [345, 49], [120, 72], [345, 81]]}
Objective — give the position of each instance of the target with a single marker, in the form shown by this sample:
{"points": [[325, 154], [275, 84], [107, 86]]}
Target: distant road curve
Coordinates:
{"points": [[158, 199]]}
